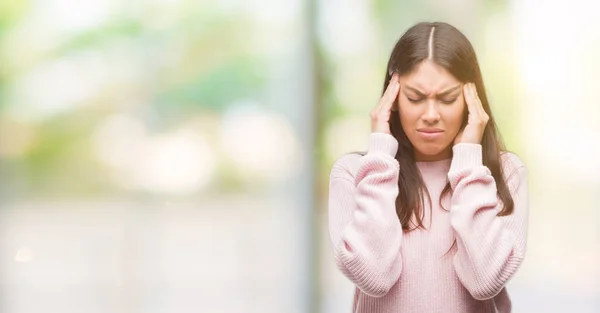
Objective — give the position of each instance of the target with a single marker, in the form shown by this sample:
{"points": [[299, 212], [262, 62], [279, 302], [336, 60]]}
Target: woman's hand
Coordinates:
{"points": [[473, 131], [380, 115]]}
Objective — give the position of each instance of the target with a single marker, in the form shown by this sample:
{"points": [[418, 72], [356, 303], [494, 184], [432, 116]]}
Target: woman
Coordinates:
{"points": [[433, 217]]}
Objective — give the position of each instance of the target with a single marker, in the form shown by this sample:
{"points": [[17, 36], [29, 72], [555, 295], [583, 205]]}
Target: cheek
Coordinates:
{"points": [[408, 112], [455, 116]]}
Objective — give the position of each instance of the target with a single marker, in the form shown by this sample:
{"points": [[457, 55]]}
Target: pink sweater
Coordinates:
{"points": [[406, 272]]}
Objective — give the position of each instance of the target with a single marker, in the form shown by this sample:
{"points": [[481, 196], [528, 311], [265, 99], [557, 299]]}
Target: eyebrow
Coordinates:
{"points": [[441, 94]]}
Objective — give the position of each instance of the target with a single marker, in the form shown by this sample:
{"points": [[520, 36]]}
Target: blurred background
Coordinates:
{"points": [[173, 155]]}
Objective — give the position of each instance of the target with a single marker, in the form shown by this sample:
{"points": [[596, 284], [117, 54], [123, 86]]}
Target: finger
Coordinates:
{"points": [[392, 88], [476, 101], [479, 103], [389, 103], [469, 99], [387, 91], [390, 94]]}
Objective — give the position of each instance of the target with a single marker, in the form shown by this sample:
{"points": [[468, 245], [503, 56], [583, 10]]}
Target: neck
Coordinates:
{"points": [[446, 154]]}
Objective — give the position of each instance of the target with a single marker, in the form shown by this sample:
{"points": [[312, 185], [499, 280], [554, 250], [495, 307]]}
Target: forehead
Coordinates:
{"points": [[429, 77]]}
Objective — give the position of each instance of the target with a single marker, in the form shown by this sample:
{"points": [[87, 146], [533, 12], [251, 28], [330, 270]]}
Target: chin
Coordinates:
{"points": [[431, 151]]}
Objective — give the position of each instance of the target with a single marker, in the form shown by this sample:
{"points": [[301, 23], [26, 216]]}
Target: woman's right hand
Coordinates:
{"points": [[380, 115]]}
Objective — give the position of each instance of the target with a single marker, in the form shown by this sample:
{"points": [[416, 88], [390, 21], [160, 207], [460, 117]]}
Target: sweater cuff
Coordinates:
{"points": [[382, 142], [465, 156]]}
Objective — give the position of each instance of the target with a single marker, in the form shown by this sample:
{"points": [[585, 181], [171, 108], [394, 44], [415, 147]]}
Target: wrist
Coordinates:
{"points": [[466, 155], [382, 143]]}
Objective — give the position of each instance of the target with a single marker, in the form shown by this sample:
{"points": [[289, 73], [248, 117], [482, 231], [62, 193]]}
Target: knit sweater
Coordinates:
{"points": [[409, 271]]}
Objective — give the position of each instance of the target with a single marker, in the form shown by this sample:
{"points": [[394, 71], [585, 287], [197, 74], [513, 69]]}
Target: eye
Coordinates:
{"points": [[415, 100], [450, 101]]}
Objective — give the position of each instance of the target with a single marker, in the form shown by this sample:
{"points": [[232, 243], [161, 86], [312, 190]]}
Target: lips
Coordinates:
{"points": [[430, 134], [430, 130]]}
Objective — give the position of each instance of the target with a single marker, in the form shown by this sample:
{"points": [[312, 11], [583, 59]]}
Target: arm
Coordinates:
{"points": [[490, 248], [364, 228]]}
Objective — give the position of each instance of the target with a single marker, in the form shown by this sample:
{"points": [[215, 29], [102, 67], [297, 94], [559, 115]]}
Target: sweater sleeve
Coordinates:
{"points": [[490, 248], [364, 229]]}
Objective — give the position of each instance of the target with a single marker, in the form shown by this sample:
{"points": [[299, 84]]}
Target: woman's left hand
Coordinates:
{"points": [[473, 131]]}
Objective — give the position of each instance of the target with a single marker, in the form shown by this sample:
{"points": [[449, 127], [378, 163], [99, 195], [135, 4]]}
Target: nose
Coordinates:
{"points": [[431, 114]]}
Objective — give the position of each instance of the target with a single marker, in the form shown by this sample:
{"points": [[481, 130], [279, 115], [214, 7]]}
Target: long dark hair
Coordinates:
{"points": [[453, 51]]}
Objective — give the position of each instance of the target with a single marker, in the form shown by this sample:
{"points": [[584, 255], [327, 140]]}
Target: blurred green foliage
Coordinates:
{"points": [[216, 63]]}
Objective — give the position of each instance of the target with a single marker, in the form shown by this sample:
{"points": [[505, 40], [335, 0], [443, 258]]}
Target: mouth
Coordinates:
{"points": [[430, 130], [430, 133]]}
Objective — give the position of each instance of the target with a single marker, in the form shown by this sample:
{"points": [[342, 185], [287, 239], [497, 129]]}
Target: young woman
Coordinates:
{"points": [[433, 217]]}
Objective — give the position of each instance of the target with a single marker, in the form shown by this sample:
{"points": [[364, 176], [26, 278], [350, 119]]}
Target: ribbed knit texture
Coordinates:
{"points": [[406, 272]]}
